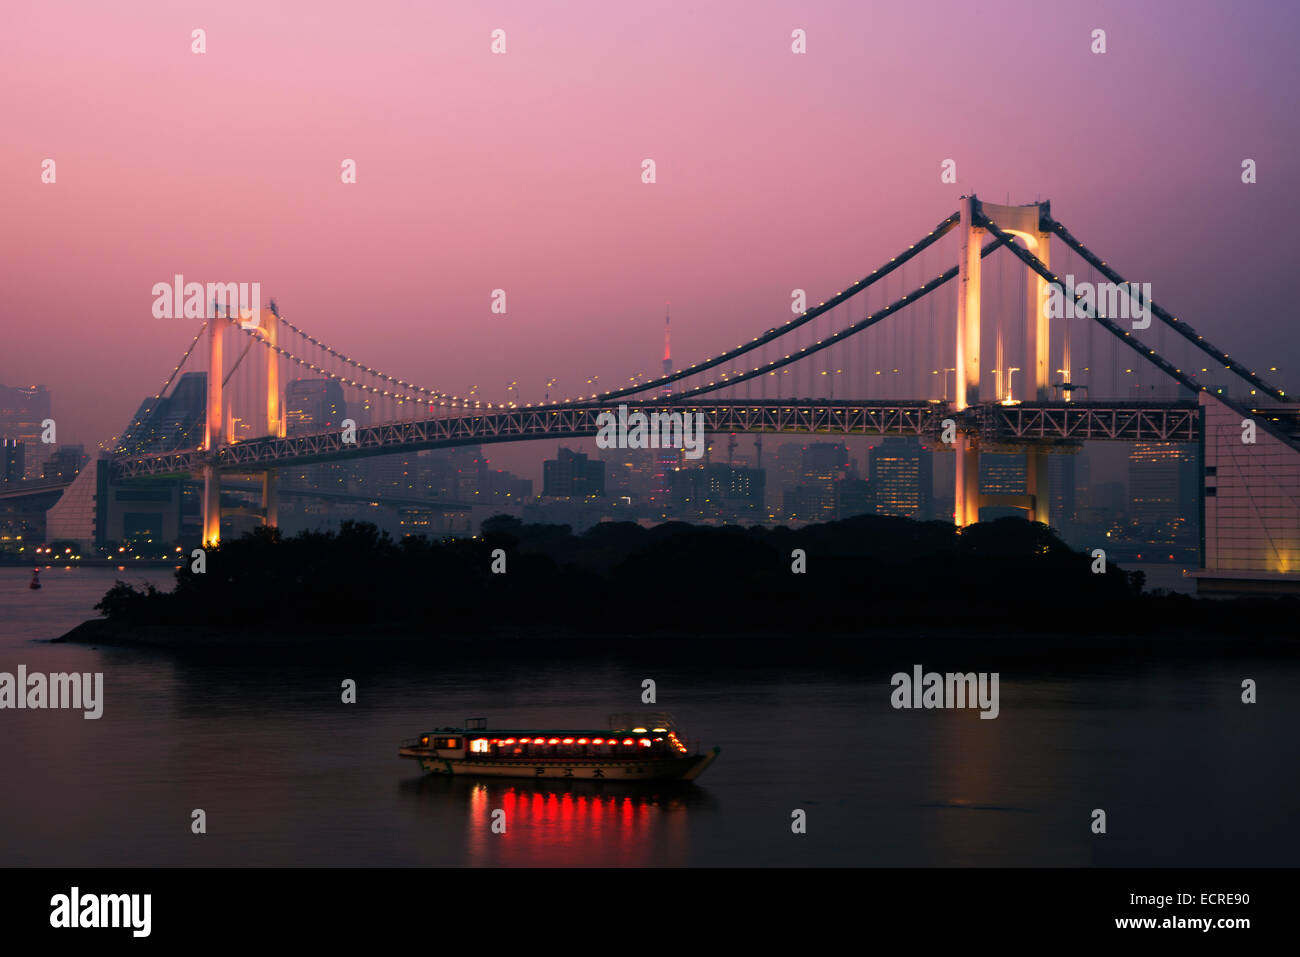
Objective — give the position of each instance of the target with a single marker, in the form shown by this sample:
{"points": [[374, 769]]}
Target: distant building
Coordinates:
{"points": [[572, 475], [620, 472], [1067, 482], [822, 465], [902, 478], [720, 489], [1109, 496], [1002, 473], [81, 513], [783, 475], [313, 405], [11, 460], [1164, 491], [310, 406], [469, 473], [854, 496], [22, 410], [506, 488], [65, 463], [399, 475], [165, 423]]}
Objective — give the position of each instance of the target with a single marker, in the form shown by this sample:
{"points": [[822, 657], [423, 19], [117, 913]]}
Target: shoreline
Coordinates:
{"points": [[835, 647]]}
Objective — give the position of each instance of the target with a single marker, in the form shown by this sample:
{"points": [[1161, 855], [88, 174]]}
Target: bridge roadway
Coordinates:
{"points": [[1025, 423]]}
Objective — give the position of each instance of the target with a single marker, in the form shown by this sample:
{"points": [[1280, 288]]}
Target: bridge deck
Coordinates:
{"points": [[1029, 423]]}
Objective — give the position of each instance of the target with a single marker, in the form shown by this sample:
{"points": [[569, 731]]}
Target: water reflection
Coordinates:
{"points": [[575, 823]]}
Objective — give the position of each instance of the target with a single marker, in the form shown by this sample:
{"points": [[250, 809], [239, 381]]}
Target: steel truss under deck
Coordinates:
{"points": [[1027, 422]]}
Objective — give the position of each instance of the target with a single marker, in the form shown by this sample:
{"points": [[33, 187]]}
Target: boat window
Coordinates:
{"points": [[480, 746], [449, 742]]}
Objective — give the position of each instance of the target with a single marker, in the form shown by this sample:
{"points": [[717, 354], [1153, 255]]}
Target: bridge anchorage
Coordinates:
{"points": [[1055, 411]]}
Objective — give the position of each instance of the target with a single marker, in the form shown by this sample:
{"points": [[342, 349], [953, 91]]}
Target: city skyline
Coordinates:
{"points": [[1148, 506]]}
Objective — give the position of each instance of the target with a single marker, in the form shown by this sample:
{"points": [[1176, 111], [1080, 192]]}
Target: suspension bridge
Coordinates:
{"points": [[874, 359]]}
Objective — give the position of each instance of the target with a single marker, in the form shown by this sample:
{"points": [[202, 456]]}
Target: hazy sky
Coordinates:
{"points": [[523, 171]]}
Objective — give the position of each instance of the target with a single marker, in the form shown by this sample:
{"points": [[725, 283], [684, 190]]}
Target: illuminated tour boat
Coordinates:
{"points": [[645, 748]]}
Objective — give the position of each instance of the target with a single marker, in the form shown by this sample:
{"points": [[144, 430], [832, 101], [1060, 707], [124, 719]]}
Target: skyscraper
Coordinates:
{"points": [[11, 460], [823, 464], [902, 478], [65, 463], [313, 405], [853, 496], [1002, 473], [1164, 491], [718, 488], [169, 422], [1067, 480], [572, 475], [22, 410]]}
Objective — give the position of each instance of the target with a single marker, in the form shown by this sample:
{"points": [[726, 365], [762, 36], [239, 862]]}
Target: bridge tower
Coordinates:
{"points": [[1028, 223], [212, 421], [269, 328]]}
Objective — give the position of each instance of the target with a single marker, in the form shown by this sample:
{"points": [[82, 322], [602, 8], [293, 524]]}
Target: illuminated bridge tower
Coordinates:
{"points": [[214, 419], [1028, 224], [268, 328]]}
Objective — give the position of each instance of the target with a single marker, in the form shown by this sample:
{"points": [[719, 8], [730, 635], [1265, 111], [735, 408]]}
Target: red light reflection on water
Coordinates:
{"points": [[555, 825]]}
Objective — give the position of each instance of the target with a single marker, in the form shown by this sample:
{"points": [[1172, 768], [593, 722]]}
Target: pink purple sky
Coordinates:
{"points": [[478, 171]]}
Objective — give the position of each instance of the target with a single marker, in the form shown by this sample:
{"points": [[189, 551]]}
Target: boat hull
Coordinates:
{"points": [[669, 769]]}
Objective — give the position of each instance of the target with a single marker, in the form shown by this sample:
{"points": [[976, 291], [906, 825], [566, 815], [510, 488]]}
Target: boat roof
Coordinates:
{"points": [[619, 723], [533, 732]]}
